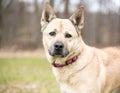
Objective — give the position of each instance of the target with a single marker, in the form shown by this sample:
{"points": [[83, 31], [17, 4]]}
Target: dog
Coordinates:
{"points": [[78, 68]]}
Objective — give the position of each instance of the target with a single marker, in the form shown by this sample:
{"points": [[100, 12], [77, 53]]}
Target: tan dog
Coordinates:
{"points": [[78, 68]]}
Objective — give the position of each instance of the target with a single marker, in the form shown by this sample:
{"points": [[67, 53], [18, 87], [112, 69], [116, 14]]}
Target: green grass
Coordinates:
{"points": [[26, 75]]}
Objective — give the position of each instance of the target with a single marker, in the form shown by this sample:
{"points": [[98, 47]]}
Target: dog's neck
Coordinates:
{"points": [[68, 62], [79, 65], [81, 60]]}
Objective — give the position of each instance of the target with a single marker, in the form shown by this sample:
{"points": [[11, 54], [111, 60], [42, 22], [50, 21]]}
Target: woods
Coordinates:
{"points": [[20, 21]]}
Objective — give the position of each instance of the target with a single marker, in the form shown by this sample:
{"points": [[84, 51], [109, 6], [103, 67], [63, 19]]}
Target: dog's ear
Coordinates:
{"points": [[78, 17], [47, 14]]}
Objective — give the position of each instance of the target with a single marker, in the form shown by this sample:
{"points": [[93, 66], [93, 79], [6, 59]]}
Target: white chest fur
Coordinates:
{"points": [[66, 88]]}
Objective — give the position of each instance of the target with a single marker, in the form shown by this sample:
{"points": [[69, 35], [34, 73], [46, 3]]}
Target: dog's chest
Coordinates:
{"points": [[67, 89], [74, 85], [77, 82]]}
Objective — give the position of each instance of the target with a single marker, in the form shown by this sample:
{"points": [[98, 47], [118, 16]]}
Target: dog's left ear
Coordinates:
{"points": [[47, 14], [78, 17]]}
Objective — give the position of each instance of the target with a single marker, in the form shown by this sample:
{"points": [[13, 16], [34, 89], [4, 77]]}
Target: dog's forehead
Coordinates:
{"points": [[61, 24], [61, 21]]}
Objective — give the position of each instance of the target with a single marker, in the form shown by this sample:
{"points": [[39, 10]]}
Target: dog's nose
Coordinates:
{"points": [[58, 45]]}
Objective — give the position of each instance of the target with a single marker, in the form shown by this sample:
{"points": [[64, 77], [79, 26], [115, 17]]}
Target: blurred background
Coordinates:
{"points": [[23, 66], [20, 21]]}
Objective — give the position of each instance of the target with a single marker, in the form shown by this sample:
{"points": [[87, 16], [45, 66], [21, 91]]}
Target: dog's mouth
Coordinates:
{"points": [[59, 53]]}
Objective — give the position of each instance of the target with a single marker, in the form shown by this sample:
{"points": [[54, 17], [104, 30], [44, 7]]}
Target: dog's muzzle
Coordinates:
{"points": [[59, 50]]}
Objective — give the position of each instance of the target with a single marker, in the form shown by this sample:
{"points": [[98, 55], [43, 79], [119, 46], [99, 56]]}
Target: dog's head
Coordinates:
{"points": [[62, 37]]}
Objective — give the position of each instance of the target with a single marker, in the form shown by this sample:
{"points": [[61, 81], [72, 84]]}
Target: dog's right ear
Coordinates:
{"points": [[47, 14]]}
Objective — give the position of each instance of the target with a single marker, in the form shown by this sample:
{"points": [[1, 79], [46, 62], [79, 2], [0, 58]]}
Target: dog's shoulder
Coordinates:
{"points": [[112, 52], [112, 65], [113, 55]]}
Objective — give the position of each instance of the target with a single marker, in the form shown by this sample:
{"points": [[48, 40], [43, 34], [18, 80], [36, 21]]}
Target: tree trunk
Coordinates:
{"points": [[52, 3], [0, 23], [66, 12]]}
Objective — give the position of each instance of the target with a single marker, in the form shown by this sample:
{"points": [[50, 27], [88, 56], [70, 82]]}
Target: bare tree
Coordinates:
{"points": [[66, 10], [52, 2], [0, 22]]}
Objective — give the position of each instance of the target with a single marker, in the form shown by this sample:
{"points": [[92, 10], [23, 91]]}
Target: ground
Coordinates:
{"points": [[26, 72]]}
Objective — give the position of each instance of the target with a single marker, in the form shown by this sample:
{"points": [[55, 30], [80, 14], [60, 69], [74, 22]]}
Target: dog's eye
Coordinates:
{"points": [[68, 35], [52, 33]]}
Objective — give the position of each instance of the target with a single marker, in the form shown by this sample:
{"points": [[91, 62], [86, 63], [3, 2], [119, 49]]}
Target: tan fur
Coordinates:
{"points": [[95, 71]]}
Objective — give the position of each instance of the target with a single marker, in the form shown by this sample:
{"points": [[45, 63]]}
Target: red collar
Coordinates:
{"points": [[70, 61]]}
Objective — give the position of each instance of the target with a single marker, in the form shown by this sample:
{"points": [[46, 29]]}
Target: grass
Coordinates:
{"points": [[26, 75]]}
